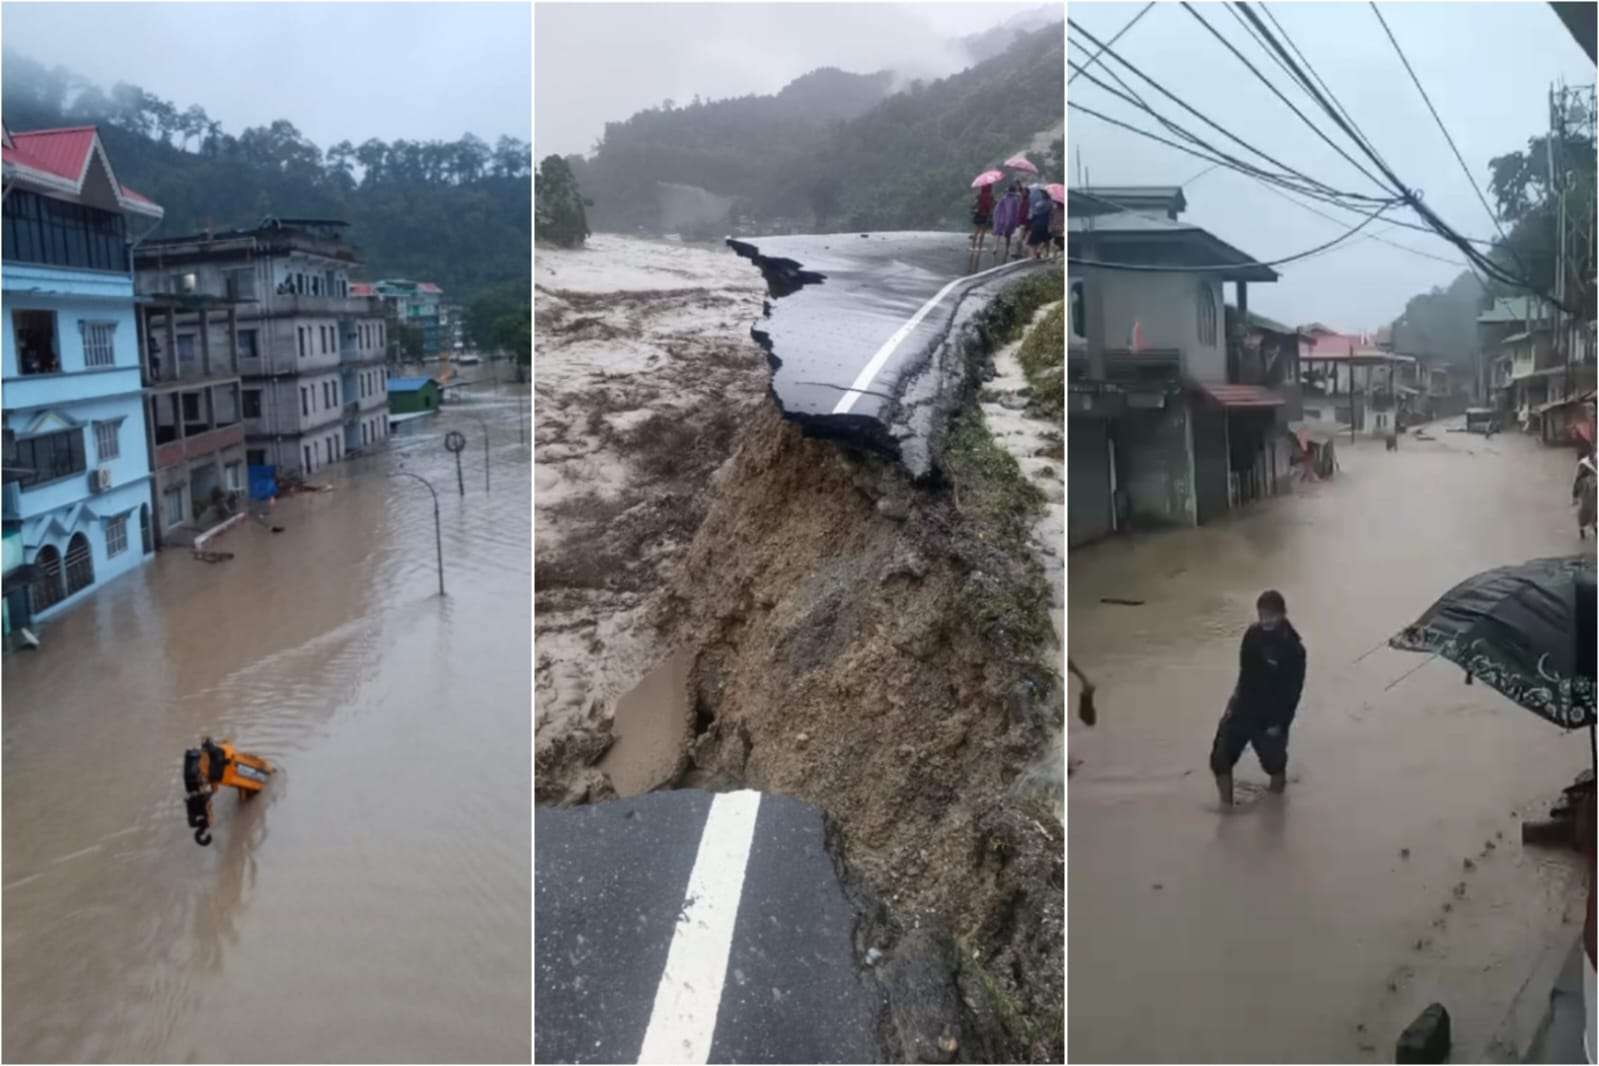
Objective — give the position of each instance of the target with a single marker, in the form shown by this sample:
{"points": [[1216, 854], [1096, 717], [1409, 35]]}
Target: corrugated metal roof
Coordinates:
{"points": [[60, 152], [408, 384], [429, 287], [1243, 395]]}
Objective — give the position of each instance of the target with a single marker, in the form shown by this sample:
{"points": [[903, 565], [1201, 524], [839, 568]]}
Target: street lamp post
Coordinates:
{"points": [[438, 535]]}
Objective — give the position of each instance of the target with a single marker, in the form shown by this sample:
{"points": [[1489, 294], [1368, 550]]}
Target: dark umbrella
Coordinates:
{"points": [[1527, 630]]}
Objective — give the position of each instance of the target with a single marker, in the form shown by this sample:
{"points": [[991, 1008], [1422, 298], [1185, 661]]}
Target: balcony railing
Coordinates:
{"points": [[294, 303], [196, 445]]}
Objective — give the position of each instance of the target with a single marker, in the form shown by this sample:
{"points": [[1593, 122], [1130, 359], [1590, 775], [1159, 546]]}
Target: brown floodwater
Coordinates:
{"points": [[372, 903], [651, 724], [1293, 929]]}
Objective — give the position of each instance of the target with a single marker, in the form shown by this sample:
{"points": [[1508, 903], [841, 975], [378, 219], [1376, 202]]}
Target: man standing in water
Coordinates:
{"points": [[1271, 675]]}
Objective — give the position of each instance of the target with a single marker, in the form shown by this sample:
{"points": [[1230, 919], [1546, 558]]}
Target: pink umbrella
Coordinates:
{"points": [[1056, 192], [1019, 162], [987, 177]]}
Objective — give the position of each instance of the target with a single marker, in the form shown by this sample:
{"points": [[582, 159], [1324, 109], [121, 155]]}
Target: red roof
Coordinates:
{"points": [[1243, 395], [360, 288], [62, 153], [428, 286]]}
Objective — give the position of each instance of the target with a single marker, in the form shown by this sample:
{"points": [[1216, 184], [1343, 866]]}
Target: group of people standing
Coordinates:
{"points": [[1028, 215]]}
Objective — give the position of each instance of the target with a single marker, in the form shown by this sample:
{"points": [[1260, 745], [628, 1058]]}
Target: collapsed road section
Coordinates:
{"points": [[857, 331]]}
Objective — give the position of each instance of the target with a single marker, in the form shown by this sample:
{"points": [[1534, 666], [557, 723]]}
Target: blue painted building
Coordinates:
{"points": [[78, 464]]}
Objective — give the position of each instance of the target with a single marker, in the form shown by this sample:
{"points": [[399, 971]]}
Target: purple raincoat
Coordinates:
{"points": [[1007, 215]]}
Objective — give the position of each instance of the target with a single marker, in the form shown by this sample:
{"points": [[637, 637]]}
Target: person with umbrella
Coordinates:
{"points": [[1271, 677], [1057, 219], [1008, 216], [1038, 206], [983, 207]]}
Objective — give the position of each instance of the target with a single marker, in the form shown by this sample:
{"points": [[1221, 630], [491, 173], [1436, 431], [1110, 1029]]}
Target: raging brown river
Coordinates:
{"points": [[372, 903], [1314, 925]]}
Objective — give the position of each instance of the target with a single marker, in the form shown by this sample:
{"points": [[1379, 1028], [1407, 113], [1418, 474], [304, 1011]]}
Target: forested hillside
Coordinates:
{"points": [[835, 151], [457, 213]]}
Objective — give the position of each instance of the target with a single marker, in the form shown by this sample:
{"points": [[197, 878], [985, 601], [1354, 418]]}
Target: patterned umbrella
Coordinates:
{"points": [[1527, 630], [1020, 162], [987, 177], [1057, 192]]}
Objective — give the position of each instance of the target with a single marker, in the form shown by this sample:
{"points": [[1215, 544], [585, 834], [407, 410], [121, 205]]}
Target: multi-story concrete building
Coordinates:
{"points": [[80, 497], [310, 353], [189, 353], [415, 303]]}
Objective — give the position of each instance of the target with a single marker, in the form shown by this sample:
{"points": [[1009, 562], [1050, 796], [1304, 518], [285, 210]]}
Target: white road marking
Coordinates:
{"points": [[862, 380], [686, 1000]]}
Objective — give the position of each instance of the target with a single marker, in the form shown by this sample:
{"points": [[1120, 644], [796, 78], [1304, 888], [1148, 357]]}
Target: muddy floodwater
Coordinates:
{"points": [[1299, 927], [372, 904]]}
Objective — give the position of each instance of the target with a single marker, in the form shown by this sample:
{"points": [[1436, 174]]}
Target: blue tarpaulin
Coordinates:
{"points": [[263, 482]]}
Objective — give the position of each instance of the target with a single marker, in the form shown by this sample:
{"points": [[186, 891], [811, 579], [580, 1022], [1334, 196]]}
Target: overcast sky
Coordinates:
{"points": [[337, 71], [1486, 66], [599, 63]]}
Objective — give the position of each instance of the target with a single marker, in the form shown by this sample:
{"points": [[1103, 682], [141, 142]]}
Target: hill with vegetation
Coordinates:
{"points": [[456, 213], [835, 151]]}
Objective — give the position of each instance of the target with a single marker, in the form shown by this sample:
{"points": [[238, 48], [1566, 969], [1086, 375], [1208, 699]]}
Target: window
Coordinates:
{"points": [[299, 335], [97, 343], [305, 402], [307, 458], [36, 342], [327, 401], [191, 406], [232, 477], [172, 506], [1079, 312], [80, 564], [38, 229], [335, 394], [247, 344], [116, 535], [240, 283], [255, 457], [50, 457], [185, 348], [364, 428], [252, 403], [106, 445], [1206, 299], [46, 591]]}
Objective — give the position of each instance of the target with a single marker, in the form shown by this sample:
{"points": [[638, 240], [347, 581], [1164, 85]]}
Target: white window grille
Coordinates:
{"points": [[106, 442], [98, 343], [116, 535]]}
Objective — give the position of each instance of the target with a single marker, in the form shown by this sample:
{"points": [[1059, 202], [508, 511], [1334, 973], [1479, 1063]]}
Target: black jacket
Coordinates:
{"points": [[1271, 675]]}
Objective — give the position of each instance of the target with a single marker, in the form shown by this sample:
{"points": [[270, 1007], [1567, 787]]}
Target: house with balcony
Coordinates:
{"points": [[78, 505], [309, 350], [416, 303], [1163, 427], [193, 394]]}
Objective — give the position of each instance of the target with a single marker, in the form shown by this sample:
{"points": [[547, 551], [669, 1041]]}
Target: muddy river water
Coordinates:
{"points": [[1294, 929], [372, 904]]}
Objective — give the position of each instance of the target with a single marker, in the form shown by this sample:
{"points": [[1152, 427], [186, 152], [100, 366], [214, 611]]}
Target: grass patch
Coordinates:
{"points": [[1042, 357]]}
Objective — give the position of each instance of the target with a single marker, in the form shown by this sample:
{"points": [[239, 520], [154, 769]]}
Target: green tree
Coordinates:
{"points": [[558, 204]]}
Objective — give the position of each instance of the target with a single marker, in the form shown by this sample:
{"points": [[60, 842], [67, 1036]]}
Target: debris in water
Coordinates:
{"points": [[1157, 886], [1404, 853], [1427, 1038], [1460, 888], [1121, 602], [1468, 864]]}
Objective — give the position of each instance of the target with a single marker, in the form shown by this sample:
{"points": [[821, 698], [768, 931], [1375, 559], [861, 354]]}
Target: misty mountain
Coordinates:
{"points": [[996, 39], [904, 161], [456, 213]]}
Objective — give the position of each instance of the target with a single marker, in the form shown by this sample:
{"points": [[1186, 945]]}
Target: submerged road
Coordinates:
{"points": [[688, 926], [1313, 926], [856, 328], [371, 905]]}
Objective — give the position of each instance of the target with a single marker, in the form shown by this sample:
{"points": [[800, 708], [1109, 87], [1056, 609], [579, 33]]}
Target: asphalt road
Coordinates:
{"points": [[690, 927], [855, 325]]}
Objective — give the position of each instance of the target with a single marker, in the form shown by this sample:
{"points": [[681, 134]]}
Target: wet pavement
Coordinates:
{"points": [[372, 904], [854, 323], [1313, 926], [688, 926]]}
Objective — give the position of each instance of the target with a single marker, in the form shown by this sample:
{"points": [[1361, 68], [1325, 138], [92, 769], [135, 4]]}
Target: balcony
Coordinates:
{"points": [[297, 304], [198, 444]]}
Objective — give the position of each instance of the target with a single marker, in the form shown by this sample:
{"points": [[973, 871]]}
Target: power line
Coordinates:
{"points": [[1215, 125], [1278, 93], [1236, 266], [1116, 38], [1299, 75], [1443, 129]]}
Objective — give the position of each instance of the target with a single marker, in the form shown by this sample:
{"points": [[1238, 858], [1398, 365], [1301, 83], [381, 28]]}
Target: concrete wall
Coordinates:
{"points": [[1166, 307], [1088, 491], [1155, 464]]}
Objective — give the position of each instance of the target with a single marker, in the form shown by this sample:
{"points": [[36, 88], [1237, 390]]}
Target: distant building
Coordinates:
{"points": [[310, 351], [77, 487], [418, 304]]}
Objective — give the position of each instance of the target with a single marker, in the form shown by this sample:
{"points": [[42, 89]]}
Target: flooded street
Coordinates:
{"points": [[1315, 925], [372, 903]]}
